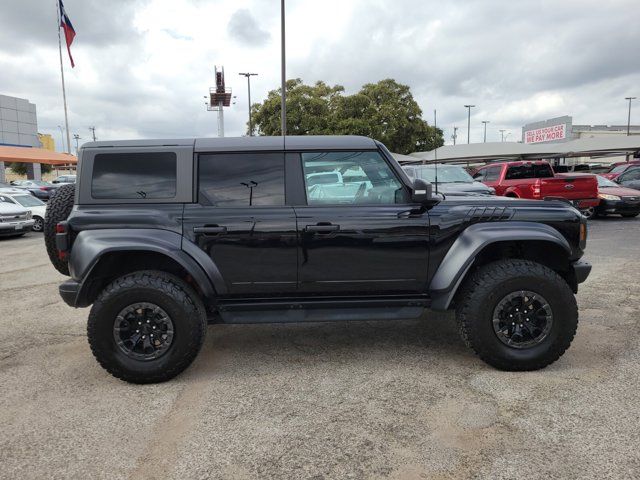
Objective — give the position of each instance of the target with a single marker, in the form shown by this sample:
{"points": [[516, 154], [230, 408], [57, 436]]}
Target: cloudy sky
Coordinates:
{"points": [[143, 66]]}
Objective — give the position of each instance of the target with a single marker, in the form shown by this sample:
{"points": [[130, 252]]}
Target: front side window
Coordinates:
{"points": [[241, 179], [492, 174], [134, 175], [348, 178]]}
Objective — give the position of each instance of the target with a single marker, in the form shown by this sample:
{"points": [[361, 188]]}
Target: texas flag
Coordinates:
{"points": [[69, 32]]}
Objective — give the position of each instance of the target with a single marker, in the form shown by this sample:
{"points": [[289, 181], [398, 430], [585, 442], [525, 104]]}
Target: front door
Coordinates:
{"points": [[359, 232], [242, 223]]}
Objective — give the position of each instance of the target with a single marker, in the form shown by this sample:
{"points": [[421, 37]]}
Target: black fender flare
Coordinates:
{"points": [[90, 245], [471, 242]]}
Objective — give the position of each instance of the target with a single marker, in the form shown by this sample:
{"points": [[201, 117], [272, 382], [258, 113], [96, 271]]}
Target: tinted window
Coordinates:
{"points": [[446, 174], [134, 175], [242, 179], [529, 170], [492, 174], [357, 178]]}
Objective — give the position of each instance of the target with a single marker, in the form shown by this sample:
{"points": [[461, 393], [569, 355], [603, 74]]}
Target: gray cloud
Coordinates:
{"points": [[245, 30], [517, 61]]}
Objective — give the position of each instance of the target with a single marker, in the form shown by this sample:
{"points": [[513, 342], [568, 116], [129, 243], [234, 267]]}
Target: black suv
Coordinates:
{"points": [[163, 236]]}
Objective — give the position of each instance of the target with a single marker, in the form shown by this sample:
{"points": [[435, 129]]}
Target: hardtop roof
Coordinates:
{"points": [[261, 143]]}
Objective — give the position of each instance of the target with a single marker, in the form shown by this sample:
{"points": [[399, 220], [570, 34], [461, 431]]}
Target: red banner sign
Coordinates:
{"points": [[546, 134]]}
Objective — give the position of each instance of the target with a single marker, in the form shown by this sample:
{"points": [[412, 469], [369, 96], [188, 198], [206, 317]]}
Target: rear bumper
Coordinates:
{"points": [[586, 202], [581, 269], [69, 292]]}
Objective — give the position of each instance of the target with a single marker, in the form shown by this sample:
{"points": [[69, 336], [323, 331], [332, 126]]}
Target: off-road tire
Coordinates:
{"points": [[481, 293], [59, 207], [175, 297]]}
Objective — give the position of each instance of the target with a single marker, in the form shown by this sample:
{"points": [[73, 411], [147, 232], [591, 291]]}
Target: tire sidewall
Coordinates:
{"points": [[186, 337], [564, 319]]}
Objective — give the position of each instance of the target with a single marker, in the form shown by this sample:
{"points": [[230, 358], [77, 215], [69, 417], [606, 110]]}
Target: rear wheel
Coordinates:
{"points": [[146, 327], [589, 212], [59, 207], [517, 315]]}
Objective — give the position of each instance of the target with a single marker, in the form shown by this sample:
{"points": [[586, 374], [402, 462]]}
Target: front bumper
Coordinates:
{"points": [[581, 269], [618, 206], [11, 228]]}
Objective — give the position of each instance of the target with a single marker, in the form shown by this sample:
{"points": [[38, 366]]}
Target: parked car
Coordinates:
{"points": [[157, 254], [37, 188], [619, 168], [5, 187], [28, 201], [15, 220], [537, 180], [64, 179], [630, 178], [452, 179]]}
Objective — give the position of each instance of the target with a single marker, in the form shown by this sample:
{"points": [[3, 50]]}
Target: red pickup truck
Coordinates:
{"points": [[537, 180]]}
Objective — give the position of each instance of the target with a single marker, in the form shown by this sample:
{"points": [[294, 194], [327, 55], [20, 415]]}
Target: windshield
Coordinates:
{"points": [[28, 201], [605, 182], [446, 174]]}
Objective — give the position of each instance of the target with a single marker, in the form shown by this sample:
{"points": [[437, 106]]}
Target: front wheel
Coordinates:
{"points": [[589, 212], [146, 327], [517, 315], [38, 224]]}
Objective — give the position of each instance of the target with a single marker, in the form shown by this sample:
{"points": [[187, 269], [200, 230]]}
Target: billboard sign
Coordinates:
{"points": [[546, 134]]}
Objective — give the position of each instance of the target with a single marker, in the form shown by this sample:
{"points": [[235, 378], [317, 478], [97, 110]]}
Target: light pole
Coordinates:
{"points": [[249, 75], [93, 133], [76, 137], [283, 101], [485, 130], [502, 135], [629, 116], [469, 107], [455, 134], [62, 137]]}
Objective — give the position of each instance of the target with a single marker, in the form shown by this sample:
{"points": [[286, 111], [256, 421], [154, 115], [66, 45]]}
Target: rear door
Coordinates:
{"points": [[241, 221], [359, 233]]}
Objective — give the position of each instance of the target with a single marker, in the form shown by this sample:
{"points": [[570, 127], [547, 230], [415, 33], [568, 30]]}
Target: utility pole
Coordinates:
{"points": [[249, 75], [93, 133], [76, 137], [469, 107], [455, 134], [629, 115], [502, 135], [283, 101], [62, 138], [485, 131]]}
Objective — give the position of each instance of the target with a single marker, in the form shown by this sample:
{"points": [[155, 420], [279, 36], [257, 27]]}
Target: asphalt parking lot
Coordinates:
{"points": [[402, 400]]}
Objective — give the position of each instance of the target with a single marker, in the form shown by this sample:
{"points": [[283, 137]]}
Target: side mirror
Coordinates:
{"points": [[422, 191]]}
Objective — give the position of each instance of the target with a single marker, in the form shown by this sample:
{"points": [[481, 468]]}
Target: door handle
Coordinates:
{"points": [[210, 230], [322, 228]]}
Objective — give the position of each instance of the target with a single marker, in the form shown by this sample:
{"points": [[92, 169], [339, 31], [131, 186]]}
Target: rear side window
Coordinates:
{"points": [[529, 170], [134, 176], [241, 179]]}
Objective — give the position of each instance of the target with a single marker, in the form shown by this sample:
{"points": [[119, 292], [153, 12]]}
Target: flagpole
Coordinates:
{"points": [[64, 92]]}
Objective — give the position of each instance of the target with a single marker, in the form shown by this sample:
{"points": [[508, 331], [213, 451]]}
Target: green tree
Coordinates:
{"points": [[20, 168], [385, 111]]}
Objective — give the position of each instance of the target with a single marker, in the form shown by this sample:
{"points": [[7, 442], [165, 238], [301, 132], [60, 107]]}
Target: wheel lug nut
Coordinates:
{"points": [[137, 331], [148, 321], [144, 336], [154, 327]]}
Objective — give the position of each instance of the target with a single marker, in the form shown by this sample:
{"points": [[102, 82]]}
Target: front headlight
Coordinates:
{"points": [[606, 196]]}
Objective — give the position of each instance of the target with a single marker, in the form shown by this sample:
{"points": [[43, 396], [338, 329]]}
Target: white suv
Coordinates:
{"points": [[35, 205]]}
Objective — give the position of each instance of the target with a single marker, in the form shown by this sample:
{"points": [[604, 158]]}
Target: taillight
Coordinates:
{"points": [[44, 189], [536, 190], [61, 227]]}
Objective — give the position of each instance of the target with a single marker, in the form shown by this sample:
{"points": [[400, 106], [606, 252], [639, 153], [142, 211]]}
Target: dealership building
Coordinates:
{"points": [[562, 129], [19, 128]]}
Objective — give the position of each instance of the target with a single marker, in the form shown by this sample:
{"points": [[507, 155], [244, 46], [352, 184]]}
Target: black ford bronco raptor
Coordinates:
{"points": [[161, 237]]}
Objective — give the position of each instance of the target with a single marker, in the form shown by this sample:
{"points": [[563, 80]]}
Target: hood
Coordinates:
{"points": [[11, 209], [471, 188], [620, 191]]}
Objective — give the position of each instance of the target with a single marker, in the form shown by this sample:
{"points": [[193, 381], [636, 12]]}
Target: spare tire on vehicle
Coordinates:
{"points": [[58, 209]]}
